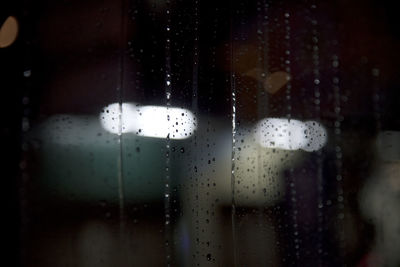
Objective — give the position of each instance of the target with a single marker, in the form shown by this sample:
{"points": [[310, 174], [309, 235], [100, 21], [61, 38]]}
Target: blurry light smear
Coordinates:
{"points": [[149, 121], [290, 135], [8, 32]]}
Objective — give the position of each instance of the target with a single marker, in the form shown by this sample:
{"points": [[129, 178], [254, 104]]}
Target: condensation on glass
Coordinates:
{"points": [[197, 133]]}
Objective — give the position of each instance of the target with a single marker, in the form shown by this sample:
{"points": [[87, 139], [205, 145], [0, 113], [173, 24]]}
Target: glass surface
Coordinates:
{"points": [[203, 133]]}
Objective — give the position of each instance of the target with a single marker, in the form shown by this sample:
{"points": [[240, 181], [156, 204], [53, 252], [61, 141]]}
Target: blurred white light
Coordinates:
{"points": [[149, 121], [290, 135]]}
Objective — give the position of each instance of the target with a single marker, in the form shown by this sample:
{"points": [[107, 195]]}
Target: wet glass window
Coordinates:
{"points": [[200, 133]]}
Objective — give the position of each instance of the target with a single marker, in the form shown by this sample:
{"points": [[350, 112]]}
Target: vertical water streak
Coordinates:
{"points": [[338, 151], [167, 178], [260, 89], [233, 101], [120, 122], [292, 180], [23, 182], [195, 79], [287, 66], [265, 27], [195, 109], [317, 110]]}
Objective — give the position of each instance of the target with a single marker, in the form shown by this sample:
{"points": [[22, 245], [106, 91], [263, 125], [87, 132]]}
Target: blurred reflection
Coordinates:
{"points": [[86, 174], [273, 82], [94, 141], [380, 202]]}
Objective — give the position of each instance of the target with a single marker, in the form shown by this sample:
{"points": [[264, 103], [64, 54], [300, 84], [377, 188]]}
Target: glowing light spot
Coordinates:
{"points": [[290, 135], [149, 121]]}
